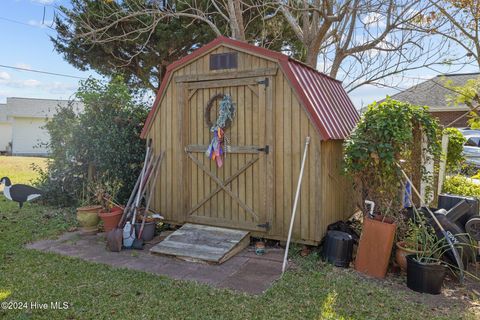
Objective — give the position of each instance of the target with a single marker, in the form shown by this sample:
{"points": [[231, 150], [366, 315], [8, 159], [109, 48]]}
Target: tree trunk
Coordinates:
{"points": [[312, 56], [236, 19]]}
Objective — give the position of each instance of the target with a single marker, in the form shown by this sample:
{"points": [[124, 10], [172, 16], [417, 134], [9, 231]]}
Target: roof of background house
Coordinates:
{"points": [[36, 108], [325, 99], [434, 93]]}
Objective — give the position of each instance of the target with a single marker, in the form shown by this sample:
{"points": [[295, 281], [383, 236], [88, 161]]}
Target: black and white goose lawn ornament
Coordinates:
{"points": [[19, 192]]}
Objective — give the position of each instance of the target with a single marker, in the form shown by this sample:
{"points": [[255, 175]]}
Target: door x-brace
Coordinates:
{"points": [[224, 185]]}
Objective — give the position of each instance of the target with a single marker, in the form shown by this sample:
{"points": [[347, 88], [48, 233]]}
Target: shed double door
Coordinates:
{"points": [[238, 194]]}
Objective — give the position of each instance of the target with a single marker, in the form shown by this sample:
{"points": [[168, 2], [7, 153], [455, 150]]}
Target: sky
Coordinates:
{"points": [[25, 43]]}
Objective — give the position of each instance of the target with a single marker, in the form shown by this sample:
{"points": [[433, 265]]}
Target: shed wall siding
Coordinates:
{"points": [[291, 125]]}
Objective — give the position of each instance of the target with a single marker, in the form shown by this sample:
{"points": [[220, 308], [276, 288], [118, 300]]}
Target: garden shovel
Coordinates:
{"points": [[115, 236]]}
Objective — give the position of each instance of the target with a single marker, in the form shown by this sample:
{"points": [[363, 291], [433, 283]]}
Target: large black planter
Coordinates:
{"points": [[424, 277]]}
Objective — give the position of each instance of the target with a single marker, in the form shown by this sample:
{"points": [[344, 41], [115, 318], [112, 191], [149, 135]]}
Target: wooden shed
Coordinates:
{"points": [[279, 102]]}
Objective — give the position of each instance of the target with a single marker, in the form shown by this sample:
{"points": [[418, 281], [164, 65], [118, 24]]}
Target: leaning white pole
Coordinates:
{"points": [[292, 219]]}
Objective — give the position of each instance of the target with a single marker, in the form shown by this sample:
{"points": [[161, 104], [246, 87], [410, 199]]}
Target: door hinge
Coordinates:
{"points": [[265, 82]]}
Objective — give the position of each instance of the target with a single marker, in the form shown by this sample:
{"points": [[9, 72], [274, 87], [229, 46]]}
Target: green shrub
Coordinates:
{"points": [[105, 137], [461, 185], [456, 140]]}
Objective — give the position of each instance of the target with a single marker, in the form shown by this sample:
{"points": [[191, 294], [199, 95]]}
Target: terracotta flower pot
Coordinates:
{"points": [[111, 219], [88, 219], [375, 247], [401, 254]]}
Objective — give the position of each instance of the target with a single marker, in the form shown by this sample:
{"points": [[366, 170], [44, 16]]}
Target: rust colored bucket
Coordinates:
{"points": [[375, 247]]}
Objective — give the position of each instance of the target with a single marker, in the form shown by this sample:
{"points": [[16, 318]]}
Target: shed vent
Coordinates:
{"points": [[223, 61]]}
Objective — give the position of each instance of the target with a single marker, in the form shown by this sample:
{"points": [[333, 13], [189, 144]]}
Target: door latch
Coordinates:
{"points": [[264, 82], [265, 149], [265, 225]]}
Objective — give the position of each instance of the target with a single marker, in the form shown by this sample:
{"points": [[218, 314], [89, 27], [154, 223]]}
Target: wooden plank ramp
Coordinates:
{"points": [[200, 243]]}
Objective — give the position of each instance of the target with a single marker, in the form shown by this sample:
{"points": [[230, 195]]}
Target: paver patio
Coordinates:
{"points": [[245, 272]]}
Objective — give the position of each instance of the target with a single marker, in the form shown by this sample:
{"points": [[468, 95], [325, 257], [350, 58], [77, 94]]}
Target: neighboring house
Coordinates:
{"points": [[5, 130], [22, 121], [434, 94]]}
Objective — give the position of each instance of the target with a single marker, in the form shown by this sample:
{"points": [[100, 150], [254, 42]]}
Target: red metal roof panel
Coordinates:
{"points": [[329, 100]]}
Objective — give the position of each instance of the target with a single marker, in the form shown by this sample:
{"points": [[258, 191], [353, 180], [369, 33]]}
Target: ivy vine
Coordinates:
{"points": [[385, 135]]}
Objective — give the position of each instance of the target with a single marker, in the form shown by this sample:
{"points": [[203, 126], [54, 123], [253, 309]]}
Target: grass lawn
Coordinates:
{"points": [[18, 169], [310, 291]]}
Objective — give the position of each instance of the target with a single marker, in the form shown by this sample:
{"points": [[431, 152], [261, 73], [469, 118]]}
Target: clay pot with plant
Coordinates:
{"points": [[87, 213], [386, 134], [111, 213]]}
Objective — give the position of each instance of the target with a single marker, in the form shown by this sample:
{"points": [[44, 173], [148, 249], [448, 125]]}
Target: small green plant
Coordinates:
{"points": [[461, 185], [423, 238], [456, 140], [412, 234]]}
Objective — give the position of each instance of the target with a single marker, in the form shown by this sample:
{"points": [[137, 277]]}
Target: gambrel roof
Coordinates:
{"points": [[325, 99]]}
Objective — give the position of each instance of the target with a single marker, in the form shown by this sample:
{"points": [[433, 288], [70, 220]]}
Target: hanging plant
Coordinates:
{"points": [[226, 114], [385, 135]]}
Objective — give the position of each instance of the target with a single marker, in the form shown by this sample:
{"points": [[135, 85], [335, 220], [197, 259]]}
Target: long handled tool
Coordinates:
{"points": [[440, 227], [128, 229], [297, 195], [137, 242], [115, 236], [150, 195]]}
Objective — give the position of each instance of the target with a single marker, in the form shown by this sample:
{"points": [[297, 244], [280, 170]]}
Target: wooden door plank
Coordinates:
{"points": [[250, 127], [261, 174], [206, 137], [279, 133], [240, 159], [270, 134]]}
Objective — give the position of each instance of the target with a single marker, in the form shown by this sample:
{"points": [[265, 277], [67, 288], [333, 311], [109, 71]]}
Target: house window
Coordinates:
{"points": [[223, 61]]}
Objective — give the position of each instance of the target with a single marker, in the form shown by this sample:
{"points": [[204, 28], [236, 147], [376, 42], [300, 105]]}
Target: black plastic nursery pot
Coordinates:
{"points": [[148, 230], [424, 277]]}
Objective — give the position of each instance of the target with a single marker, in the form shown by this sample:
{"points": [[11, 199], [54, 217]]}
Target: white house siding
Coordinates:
{"points": [[5, 135], [27, 133], [21, 122]]}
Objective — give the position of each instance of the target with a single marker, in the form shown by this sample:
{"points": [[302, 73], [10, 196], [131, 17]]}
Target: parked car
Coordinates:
{"points": [[469, 132], [471, 149]]}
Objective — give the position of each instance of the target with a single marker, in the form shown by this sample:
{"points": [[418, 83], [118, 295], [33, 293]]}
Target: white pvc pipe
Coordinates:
{"points": [[297, 195]]}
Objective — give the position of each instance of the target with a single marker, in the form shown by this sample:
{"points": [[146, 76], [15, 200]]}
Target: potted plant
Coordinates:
{"points": [[87, 213], [385, 135], [425, 269], [408, 245], [110, 214]]}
